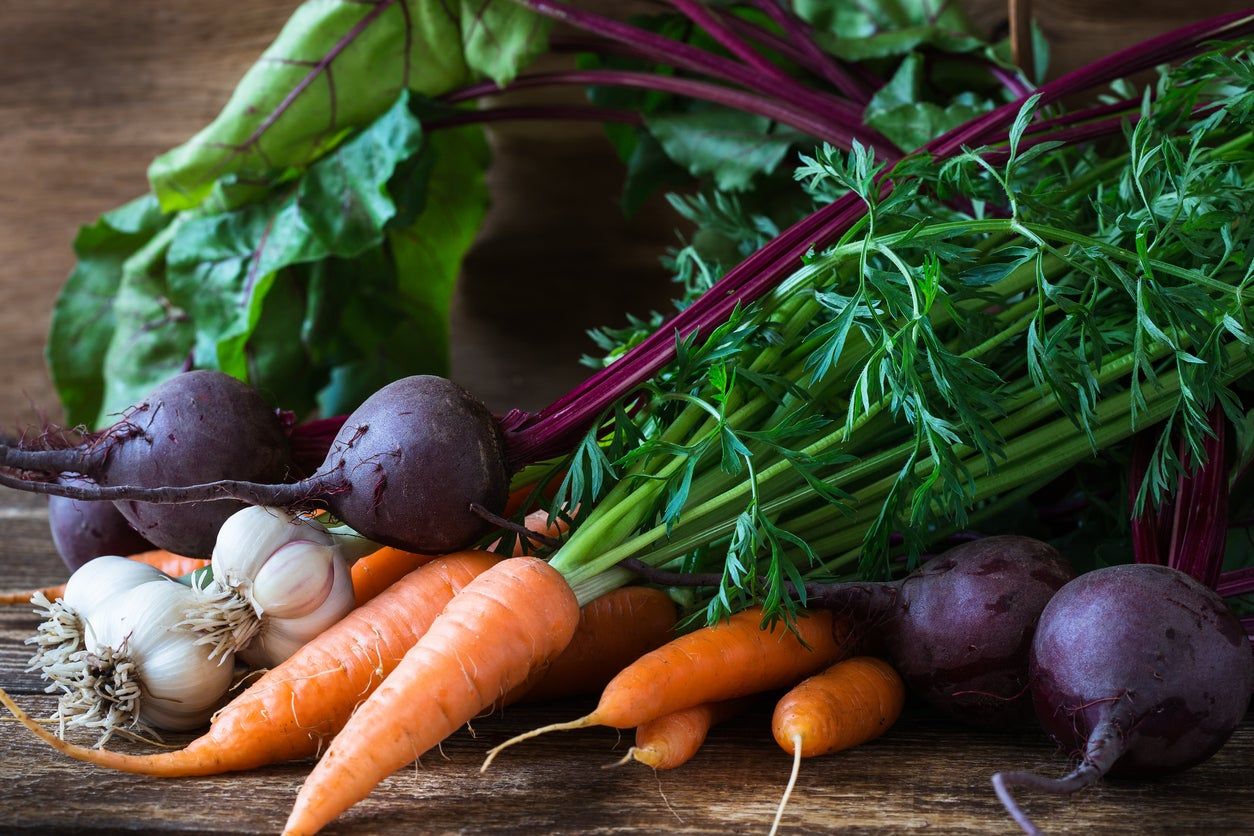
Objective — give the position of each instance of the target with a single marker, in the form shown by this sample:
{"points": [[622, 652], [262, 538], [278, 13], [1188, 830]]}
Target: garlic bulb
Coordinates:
{"points": [[93, 585], [139, 670], [278, 581]]}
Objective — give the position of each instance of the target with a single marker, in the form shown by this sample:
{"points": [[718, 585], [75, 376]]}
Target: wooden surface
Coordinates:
{"points": [[925, 774]]}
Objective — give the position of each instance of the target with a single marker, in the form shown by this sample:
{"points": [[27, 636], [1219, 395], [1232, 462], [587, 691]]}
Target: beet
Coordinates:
{"points": [[196, 427], [963, 629], [83, 531], [419, 466], [1137, 669], [417, 454]]}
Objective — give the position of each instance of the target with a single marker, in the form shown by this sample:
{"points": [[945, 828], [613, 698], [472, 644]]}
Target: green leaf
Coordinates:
{"points": [[222, 266], [731, 146], [336, 66], [860, 31], [83, 318], [897, 112], [499, 37]]}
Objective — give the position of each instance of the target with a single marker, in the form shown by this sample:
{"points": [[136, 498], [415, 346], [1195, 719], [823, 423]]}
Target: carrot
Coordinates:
{"points": [[289, 711], [537, 521], [731, 659], [172, 564], [522, 496], [515, 617], [614, 631], [849, 703], [672, 740], [378, 570]]}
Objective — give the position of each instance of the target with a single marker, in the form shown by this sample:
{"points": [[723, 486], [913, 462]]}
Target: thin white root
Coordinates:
{"points": [[792, 782], [101, 691], [624, 760], [581, 723], [227, 618], [58, 636]]}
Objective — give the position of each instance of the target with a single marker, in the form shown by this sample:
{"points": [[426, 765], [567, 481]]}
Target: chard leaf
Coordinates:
{"points": [[222, 266], [898, 111], [334, 67], [861, 31], [84, 318], [731, 146]]}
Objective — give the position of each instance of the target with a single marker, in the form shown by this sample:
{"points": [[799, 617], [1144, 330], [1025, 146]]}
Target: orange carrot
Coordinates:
{"points": [[507, 622], [731, 659], [172, 564], [378, 570], [537, 521], [671, 741], [614, 631], [849, 703], [290, 710], [520, 497]]}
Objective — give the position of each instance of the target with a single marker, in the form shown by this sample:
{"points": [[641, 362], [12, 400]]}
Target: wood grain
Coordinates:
{"points": [[925, 774]]}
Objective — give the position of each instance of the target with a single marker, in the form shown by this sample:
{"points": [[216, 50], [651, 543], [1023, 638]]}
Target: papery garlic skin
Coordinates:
{"points": [[137, 632], [249, 538], [278, 582], [282, 637], [99, 581]]}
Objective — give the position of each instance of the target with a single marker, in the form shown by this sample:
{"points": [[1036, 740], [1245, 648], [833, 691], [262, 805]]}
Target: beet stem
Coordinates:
{"points": [[255, 493], [66, 460], [1105, 745]]}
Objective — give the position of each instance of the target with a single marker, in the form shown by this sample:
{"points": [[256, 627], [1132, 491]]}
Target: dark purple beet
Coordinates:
{"points": [[965, 622], [1138, 668], [417, 454], [86, 530], [198, 427]]}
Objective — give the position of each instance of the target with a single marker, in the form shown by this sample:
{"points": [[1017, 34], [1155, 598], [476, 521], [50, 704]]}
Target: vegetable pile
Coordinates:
{"points": [[969, 306]]}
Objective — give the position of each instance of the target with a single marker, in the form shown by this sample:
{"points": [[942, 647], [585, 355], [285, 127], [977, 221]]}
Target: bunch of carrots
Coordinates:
{"points": [[390, 681]]}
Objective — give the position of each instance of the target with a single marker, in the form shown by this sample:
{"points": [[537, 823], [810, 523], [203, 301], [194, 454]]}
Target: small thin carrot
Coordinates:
{"points": [[288, 712], [378, 570], [734, 658], [172, 564], [614, 631], [537, 521], [850, 703], [671, 741], [507, 622]]}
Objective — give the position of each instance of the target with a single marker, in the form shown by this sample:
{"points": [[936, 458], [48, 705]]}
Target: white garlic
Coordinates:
{"points": [[139, 670], [93, 585], [278, 581]]}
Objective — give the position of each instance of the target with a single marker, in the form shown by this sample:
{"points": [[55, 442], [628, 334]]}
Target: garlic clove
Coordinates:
{"points": [[280, 638], [295, 580], [250, 536]]}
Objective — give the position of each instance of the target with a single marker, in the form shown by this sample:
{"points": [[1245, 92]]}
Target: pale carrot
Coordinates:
{"points": [[672, 740], [171, 564], [507, 622], [289, 711], [734, 658], [850, 703], [537, 521], [378, 570], [614, 631]]}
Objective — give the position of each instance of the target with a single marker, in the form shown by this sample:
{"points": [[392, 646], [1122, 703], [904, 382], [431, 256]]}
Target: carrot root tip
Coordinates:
{"points": [[581, 723], [792, 782], [624, 760]]}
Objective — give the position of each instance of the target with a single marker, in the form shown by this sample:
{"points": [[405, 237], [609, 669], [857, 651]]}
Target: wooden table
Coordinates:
{"points": [[925, 774]]}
